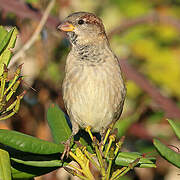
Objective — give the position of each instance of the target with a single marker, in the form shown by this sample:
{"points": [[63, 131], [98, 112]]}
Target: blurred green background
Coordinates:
{"points": [[145, 34]]}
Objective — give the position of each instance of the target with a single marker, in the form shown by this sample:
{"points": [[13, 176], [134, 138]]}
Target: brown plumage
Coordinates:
{"points": [[93, 88]]}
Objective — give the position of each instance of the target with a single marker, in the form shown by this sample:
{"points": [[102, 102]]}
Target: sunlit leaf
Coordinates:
{"points": [[59, 127], [5, 167], [176, 127], [51, 163], [28, 143], [124, 158], [167, 153], [3, 33], [6, 44]]}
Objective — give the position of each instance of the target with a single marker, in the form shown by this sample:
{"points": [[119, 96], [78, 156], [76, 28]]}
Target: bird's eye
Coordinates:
{"points": [[81, 22]]}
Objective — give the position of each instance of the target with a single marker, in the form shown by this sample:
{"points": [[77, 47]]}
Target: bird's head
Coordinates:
{"points": [[83, 28]]}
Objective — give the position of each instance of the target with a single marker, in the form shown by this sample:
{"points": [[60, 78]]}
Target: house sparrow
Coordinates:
{"points": [[93, 87]]}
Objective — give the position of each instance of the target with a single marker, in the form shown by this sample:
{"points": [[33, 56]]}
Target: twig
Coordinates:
{"points": [[21, 10], [33, 38]]}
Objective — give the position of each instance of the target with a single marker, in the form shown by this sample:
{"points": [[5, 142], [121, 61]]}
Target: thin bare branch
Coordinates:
{"points": [[33, 38], [23, 11], [166, 104]]}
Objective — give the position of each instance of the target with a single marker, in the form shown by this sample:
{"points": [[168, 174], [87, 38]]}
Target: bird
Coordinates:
{"points": [[93, 88]]}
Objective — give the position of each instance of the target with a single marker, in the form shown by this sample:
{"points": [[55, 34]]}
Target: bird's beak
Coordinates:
{"points": [[66, 27]]}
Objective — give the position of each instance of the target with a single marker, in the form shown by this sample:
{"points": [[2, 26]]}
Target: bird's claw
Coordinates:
{"points": [[66, 149]]}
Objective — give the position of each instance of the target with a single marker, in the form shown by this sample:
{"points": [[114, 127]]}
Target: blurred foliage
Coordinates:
{"points": [[133, 9], [169, 154], [31, 1]]}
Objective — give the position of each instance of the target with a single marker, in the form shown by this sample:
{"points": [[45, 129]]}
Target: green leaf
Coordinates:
{"points": [[28, 143], [28, 165], [57, 122], [3, 33], [5, 167], [167, 153], [17, 174], [176, 127], [6, 45], [124, 158], [52, 163], [26, 172], [6, 39]]}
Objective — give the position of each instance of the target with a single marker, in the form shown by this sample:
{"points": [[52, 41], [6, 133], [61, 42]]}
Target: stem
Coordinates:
{"points": [[111, 158], [99, 156], [116, 173], [91, 159], [118, 145], [76, 168], [106, 136], [123, 173], [88, 129], [111, 139], [74, 173], [84, 165]]}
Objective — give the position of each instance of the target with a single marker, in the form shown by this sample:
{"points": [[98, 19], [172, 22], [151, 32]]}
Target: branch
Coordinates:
{"points": [[166, 104], [33, 38], [23, 11]]}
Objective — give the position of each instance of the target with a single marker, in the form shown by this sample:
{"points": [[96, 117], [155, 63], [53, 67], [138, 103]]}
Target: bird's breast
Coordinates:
{"points": [[93, 94]]}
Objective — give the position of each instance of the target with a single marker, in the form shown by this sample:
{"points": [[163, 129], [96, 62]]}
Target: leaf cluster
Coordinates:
{"points": [[24, 156]]}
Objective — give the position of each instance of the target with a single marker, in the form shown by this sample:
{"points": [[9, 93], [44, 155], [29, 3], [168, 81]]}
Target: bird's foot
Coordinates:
{"points": [[66, 149], [104, 137], [88, 129]]}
